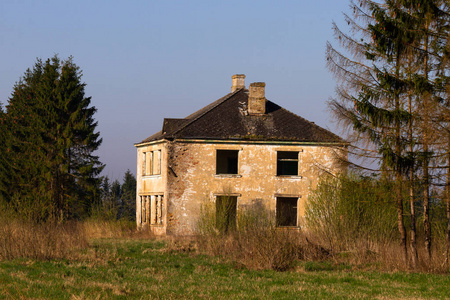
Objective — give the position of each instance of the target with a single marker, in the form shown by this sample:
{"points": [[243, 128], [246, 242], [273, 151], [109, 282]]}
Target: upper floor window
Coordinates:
{"points": [[287, 163], [227, 162], [151, 162]]}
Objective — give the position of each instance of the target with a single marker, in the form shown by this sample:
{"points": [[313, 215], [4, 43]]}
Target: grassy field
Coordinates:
{"points": [[126, 268]]}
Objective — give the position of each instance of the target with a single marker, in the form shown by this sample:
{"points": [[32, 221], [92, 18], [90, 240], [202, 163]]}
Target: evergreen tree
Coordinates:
{"points": [[3, 158], [370, 96], [52, 140], [391, 86], [128, 196]]}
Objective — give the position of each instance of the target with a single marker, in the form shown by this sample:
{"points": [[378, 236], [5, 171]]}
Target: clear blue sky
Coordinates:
{"points": [[146, 60]]}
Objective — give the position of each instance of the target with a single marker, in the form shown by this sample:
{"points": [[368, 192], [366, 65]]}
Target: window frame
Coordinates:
{"points": [[152, 209], [231, 219], [283, 201], [220, 163], [283, 163], [151, 162]]}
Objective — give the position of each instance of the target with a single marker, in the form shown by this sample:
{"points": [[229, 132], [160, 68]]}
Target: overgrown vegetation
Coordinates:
{"points": [[57, 240], [50, 240], [254, 241], [355, 217], [352, 212], [393, 99]]}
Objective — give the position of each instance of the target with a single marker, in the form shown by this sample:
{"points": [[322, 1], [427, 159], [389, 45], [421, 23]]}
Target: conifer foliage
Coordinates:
{"points": [[391, 94], [48, 166]]}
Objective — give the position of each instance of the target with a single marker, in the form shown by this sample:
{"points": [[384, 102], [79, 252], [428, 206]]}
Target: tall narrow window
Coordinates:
{"points": [[152, 209], [287, 163], [156, 162], [227, 161], [226, 213], [151, 163], [286, 211], [157, 210], [144, 164], [144, 205]]}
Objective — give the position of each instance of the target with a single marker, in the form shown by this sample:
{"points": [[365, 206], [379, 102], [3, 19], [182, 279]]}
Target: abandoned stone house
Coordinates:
{"points": [[241, 149]]}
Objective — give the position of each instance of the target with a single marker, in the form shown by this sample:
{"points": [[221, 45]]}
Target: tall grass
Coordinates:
{"points": [[19, 239], [256, 242], [22, 238]]}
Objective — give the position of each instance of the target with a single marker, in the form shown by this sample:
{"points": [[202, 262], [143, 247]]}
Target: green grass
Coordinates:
{"points": [[146, 269]]}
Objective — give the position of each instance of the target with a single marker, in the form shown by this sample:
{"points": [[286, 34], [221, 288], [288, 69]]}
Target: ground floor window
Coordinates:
{"points": [[226, 207], [286, 214], [152, 209]]}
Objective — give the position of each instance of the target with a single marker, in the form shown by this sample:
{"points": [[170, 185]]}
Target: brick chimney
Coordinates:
{"points": [[238, 82], [256, 98]]}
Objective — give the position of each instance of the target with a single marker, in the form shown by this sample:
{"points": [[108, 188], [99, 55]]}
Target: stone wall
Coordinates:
{"points": [[192, 178]]}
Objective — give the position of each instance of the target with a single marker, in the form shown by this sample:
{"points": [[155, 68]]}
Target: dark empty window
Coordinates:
{"points": [[226, 213], [287, 163], [227, 162], [286, 211]]}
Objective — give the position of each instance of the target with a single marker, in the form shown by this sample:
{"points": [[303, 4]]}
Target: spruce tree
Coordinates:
{"points": [[4, 166], [128, 196], [53, 137], [370, 97], [391, 93]]}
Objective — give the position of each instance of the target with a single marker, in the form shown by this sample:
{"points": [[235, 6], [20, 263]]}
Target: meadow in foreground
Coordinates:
{"points": [[143, 268]]}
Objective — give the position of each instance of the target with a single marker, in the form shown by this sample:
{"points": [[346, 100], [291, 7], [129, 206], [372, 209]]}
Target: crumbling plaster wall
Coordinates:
{"points": [[192, 179]]}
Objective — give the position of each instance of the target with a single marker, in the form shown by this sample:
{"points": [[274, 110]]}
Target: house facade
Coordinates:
{"points": [[241, 149]]}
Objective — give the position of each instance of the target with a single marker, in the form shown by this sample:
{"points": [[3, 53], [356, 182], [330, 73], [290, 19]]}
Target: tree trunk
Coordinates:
{"points": [[401, 226], [413, 242], [425, 165], [447, 196]]}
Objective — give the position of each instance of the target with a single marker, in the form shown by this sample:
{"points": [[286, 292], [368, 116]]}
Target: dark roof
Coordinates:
{"points": [[227, 119]]}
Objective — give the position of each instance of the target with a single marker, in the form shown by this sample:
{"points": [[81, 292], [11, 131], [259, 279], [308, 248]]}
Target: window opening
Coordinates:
{"points": [[144, 204], [287, 163], [226, 213], [286, 211], [151, 163], [152, 209], [157, 210], [227, 162]]}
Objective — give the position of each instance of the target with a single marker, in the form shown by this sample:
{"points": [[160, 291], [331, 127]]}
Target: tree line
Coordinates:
{"points": [[392, 68], [48, 139]]}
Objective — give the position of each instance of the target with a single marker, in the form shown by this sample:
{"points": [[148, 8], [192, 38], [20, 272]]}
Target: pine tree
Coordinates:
{"points": [[52, 130]]}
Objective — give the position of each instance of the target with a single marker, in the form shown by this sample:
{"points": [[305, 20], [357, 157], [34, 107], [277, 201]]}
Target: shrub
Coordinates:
{"points": [[350, 212], [255, 242]]}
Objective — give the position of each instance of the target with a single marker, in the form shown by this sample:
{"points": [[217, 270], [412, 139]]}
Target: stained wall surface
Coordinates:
{"points": [[188, 178]]}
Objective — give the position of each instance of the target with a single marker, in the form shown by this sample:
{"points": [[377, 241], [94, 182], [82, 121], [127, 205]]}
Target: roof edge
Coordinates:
{"points": [[218, 141], [150, 143]]}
